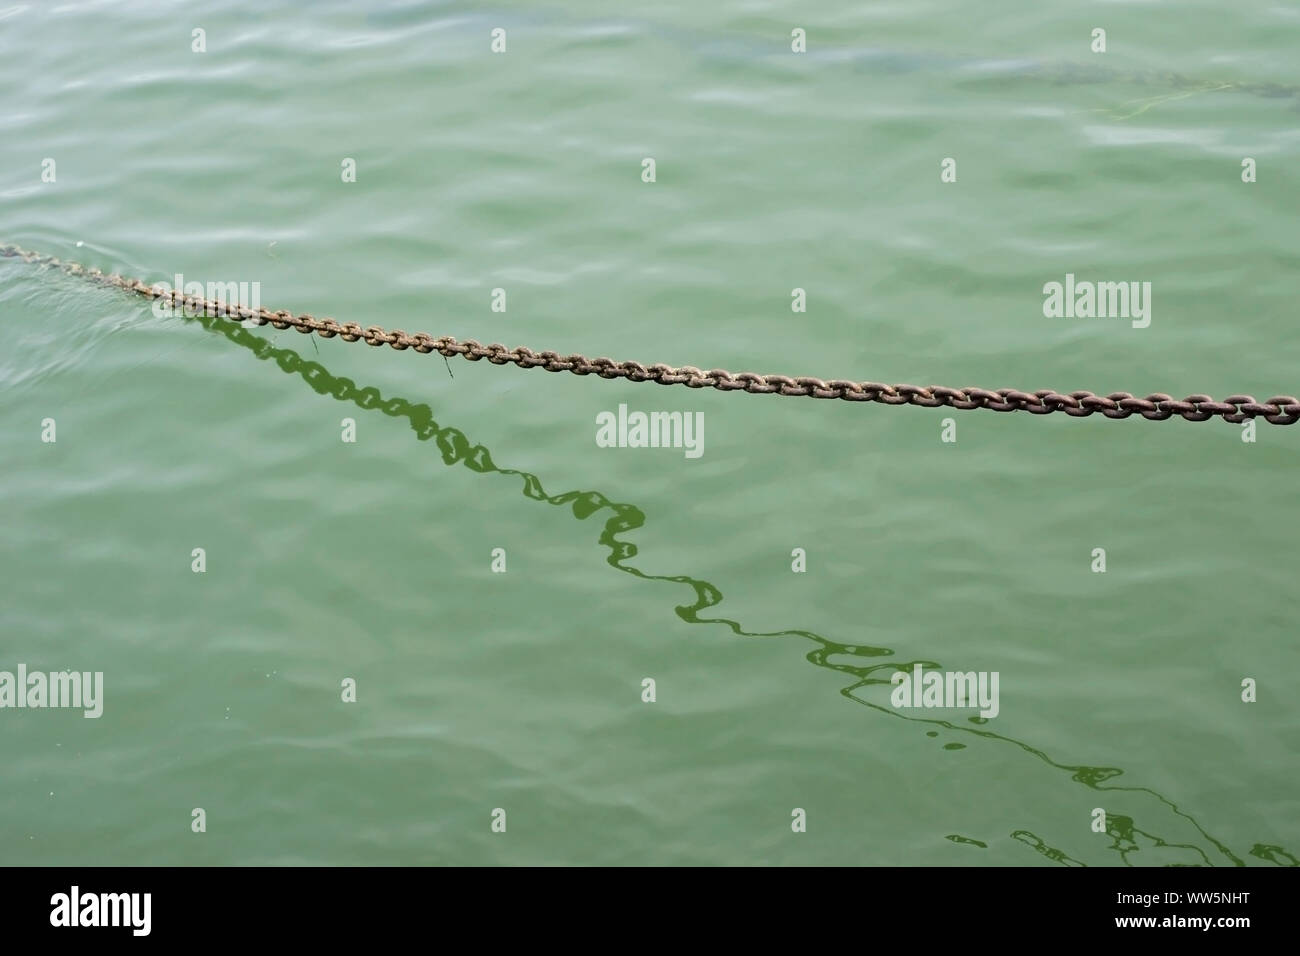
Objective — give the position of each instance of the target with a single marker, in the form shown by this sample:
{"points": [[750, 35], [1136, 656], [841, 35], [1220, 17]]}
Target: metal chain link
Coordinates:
{"points": [[1278, 410]]}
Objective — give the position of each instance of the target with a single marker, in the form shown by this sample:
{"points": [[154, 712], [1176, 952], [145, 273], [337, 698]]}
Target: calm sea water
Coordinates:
{"points": [[522, 691]]}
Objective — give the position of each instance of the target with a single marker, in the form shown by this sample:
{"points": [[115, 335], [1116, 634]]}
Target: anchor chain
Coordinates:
{"points": [[1278, 410]]}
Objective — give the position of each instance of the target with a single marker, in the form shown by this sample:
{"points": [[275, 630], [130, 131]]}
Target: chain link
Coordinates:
{"points": [[1278, 410]]}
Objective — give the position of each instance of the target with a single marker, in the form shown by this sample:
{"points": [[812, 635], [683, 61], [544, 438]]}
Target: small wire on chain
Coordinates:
{"points": [[1278, 410]]}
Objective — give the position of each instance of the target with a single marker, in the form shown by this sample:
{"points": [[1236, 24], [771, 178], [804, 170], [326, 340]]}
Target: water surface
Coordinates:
{"points": [[372, 560]]}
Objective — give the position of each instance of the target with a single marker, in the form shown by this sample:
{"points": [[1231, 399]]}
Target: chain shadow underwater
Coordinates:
{"points": [[455, 448]]}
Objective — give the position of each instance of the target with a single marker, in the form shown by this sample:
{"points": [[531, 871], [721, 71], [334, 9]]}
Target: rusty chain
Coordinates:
{"points": [[1279, 410]]}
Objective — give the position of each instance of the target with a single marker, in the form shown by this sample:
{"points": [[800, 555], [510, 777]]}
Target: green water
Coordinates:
{"points": [[372, 560]]}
